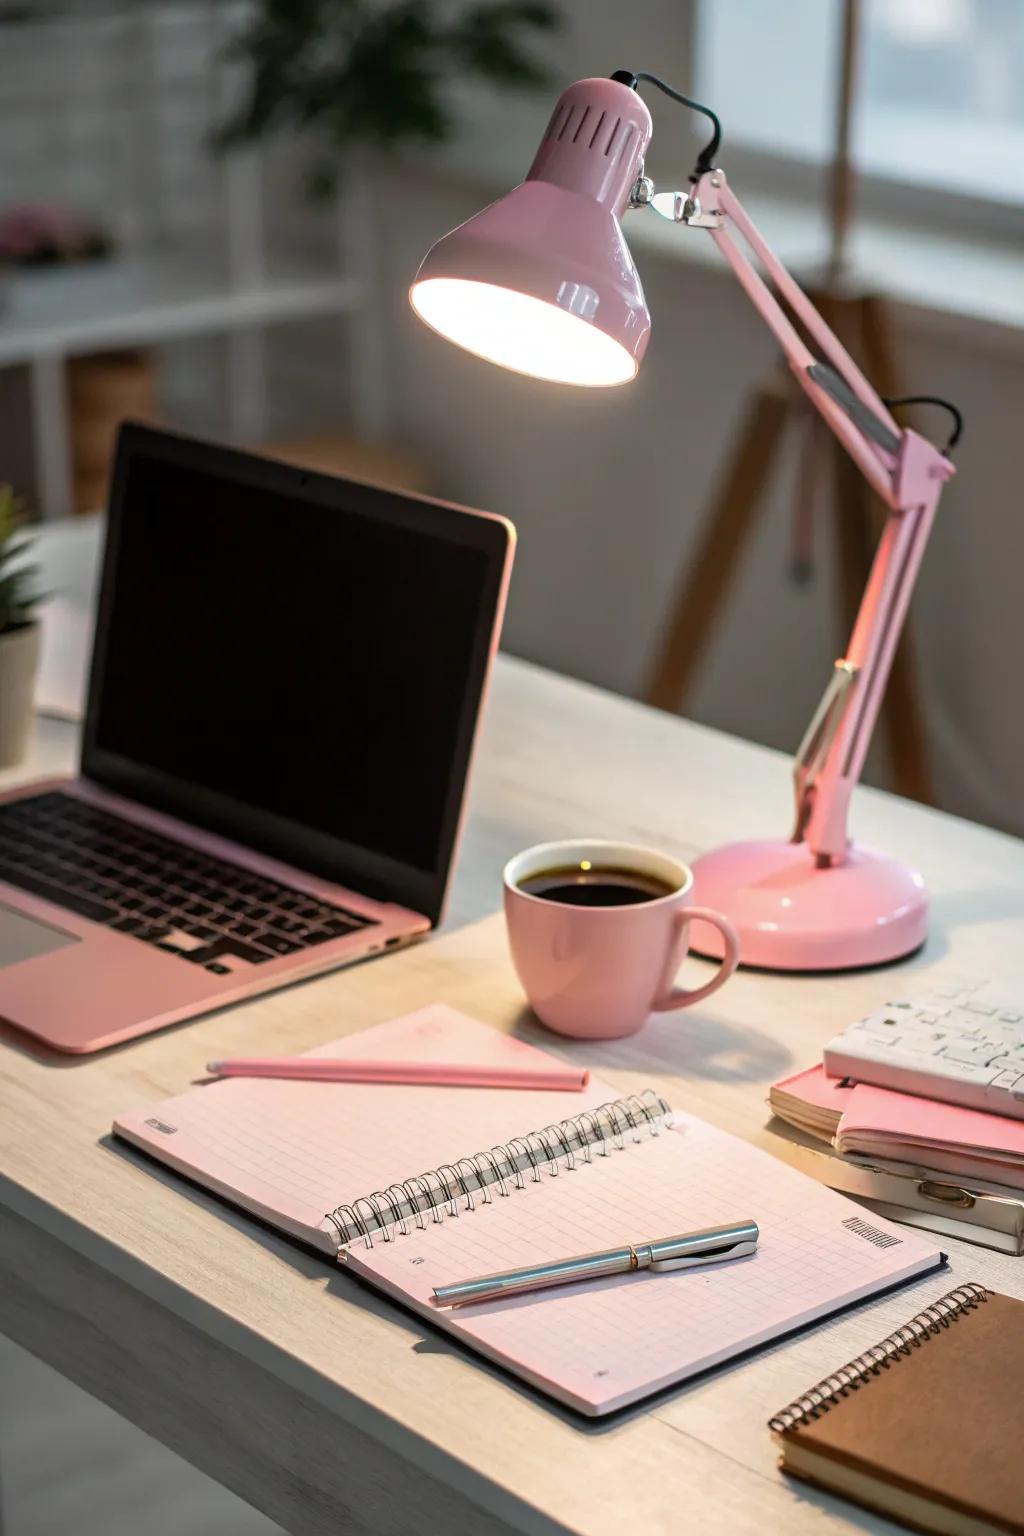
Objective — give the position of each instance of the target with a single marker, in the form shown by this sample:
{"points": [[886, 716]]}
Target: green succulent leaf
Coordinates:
{"points": [[18, 599]]}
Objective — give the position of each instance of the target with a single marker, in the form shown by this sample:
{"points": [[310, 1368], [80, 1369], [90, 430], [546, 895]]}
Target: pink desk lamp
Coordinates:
{"points": [[543, 282]]}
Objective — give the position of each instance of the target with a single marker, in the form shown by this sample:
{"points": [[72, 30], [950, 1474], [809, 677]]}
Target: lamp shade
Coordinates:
{"points": [[542, 281]]}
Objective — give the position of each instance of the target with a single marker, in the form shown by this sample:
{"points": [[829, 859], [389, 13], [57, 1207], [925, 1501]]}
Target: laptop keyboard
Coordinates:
{"points": [[191, 904]]}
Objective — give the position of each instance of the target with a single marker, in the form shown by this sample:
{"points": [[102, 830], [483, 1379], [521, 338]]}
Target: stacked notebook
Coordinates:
{"points": [[925, 1425], [948, 1169], [414, 1187], [899, 1128]]}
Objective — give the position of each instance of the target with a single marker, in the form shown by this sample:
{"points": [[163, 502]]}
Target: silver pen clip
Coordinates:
{"points": [[707, 1247]]}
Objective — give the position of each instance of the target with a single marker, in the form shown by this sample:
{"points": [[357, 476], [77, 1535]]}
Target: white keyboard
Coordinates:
{"points": [[953, 1044]]}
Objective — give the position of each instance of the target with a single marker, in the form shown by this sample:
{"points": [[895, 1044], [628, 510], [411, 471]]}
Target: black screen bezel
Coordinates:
{"points": [[374, 874]]}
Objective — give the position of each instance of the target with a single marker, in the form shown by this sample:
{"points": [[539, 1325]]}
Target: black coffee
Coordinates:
{"points": [[586, 885]]}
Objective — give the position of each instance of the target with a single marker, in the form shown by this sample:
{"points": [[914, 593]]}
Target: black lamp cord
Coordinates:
{"points": [[946, 405], [706, 158], [706, 162]]}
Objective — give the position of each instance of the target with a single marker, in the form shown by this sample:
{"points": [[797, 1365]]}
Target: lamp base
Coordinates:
{"points": [[792, 915]]}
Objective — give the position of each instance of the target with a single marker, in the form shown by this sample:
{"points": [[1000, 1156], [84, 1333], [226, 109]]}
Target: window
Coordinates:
{"points": [[940, 93]]}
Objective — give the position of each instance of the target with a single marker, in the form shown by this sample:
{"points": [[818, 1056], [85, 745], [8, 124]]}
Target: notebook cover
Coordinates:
{"points": [[824, 1098], [878, 1122], [293, 1152], [943, 1422], [891, 1119]]}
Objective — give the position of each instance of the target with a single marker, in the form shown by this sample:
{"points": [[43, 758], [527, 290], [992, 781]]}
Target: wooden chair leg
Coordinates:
{"points": [[854, 536], [813, 463], [876, 345], [705, 583]]}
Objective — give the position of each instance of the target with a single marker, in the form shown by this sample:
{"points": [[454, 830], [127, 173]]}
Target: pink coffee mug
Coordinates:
{"points": [[600, 972]]}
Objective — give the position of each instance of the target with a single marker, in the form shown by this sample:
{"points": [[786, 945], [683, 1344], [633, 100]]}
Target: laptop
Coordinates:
{"points": [[287, 678]]}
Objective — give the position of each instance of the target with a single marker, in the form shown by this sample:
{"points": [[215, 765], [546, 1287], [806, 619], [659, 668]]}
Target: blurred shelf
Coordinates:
{"points": [[103, 305]]}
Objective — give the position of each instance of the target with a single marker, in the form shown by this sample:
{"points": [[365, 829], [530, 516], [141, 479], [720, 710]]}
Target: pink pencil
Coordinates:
{"points": [[437, 1074]]}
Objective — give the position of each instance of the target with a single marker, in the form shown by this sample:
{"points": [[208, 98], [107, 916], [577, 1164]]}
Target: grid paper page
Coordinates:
{"points": [[605, 1343], [292, 1151]]}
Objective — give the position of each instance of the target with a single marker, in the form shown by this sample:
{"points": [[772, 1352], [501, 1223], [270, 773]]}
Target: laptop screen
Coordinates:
{"points": [[293, 660]]}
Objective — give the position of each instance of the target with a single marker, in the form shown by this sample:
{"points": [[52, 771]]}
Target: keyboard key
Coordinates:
{"points": [[977, 1055], [884, 1034], [277, 943], [285, 924], [181, 941], [226, 946]]}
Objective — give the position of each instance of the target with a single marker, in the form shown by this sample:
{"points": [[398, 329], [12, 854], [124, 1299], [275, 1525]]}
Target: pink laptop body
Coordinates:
{"points": [[316, 783]]}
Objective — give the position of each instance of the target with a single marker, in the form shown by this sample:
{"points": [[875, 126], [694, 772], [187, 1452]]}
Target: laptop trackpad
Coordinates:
{"points": [[23, 938]]}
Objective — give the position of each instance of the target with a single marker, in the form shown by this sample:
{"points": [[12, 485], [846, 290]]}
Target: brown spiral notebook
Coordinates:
{"points": [[928, 1426]]}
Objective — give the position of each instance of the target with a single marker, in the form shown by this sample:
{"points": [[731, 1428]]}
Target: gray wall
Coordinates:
{"points": [[606, 489]]}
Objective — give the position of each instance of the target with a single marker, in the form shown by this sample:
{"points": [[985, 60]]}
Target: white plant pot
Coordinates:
{"points": [[19, 662]]}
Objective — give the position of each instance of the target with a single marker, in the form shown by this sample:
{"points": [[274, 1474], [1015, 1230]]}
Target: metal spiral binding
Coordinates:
{"points": [[928, 1322], [432, 1195]]}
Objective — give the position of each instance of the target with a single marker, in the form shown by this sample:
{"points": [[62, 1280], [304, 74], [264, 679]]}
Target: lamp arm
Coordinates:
{"points": [[904, 469], [825, 779]]}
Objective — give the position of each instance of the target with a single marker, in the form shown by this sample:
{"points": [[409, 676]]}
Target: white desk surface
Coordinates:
{"points": [[327, 1407]]}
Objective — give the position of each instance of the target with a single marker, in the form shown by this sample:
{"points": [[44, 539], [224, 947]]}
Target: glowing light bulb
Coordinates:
{"points": [[522, 333]]}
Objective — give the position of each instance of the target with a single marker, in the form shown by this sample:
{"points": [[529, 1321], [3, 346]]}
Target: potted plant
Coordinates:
{"points": [[376, 73], [19, 630]]}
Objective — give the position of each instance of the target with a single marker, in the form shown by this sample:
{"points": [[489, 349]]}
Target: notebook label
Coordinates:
{"points": [[872, 1234]]}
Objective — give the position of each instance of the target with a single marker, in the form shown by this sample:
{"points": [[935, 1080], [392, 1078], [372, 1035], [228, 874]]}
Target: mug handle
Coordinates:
{"points": [[681, 997]]}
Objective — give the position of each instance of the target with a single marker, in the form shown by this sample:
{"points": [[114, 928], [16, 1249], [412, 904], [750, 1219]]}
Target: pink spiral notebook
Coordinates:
{"points": [[412, 1187]]}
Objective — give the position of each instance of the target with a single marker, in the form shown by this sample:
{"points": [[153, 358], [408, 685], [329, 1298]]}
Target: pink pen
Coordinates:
{"points": [[436, 1074]]}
